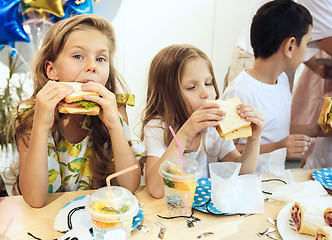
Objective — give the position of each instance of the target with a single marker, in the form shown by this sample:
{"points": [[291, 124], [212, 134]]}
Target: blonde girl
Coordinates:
{"points": [[68, 152], [180, 82]]}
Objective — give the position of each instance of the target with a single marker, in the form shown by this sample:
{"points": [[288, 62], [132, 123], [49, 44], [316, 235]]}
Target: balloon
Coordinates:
{"points": [[75, 7], [36, 28], [54, 7], [11, 27]]}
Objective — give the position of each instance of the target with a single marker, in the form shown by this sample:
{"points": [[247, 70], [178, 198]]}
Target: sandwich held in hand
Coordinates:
{"points": [[75, 103], [325, 116], [233, 125]]}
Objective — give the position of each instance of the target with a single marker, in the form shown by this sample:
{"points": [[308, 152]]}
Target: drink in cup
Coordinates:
{"points": [[180, 184], [111, 211]]}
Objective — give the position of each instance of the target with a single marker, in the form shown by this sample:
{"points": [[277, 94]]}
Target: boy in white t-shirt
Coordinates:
{"points": [[280, 32]]}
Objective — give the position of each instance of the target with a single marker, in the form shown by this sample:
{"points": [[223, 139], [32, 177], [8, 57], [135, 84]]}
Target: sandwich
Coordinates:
{"points": [[233, 125], [75, 104], [325, 116]]}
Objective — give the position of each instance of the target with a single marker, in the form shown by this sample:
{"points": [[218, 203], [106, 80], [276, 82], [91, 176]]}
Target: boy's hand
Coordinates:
{"points": [[296, 144], [253, 115]]}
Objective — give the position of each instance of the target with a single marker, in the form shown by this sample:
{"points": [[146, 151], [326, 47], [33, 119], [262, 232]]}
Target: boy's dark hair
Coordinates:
{"points": [[276, 21]]}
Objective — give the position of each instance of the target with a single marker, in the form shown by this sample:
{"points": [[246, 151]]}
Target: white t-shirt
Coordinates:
{"points": [[216, 147], [274, 101], [321, 157], [321, 12]]}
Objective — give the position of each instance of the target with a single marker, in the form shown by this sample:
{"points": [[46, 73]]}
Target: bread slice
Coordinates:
{"points": [[233, 125], [239, 133], [78, 94], [80, 110], [322, 119]]}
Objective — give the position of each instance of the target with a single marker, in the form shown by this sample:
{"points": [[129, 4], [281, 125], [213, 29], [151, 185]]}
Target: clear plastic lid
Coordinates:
{"points": [[121, 203], [170, 168]]}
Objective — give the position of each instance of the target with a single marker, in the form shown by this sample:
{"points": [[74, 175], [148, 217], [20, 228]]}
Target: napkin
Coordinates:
{"points": [[234, 193], [272, 166], [295, 191]]}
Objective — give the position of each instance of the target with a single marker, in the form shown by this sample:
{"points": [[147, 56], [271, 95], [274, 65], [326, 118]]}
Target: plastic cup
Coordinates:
{"points": [[111, 212], [180, 188]]}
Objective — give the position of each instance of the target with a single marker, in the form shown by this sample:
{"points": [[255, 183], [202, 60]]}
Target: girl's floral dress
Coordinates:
{"points": [[68, 164]]}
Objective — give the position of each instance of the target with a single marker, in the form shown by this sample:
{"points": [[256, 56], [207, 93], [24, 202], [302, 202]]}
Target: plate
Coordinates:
{"points": [[60, 222], [324, 61], [283, 218], [202, 200], [324, 176]]}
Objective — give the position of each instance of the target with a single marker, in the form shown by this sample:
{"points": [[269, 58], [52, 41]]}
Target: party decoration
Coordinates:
{"points": [[75, 7], [36, 27], [54, 7], [11, 27]]}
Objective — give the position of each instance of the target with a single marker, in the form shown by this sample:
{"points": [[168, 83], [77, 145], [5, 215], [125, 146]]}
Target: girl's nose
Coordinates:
{"points": [[204, 93], [91, 67]]}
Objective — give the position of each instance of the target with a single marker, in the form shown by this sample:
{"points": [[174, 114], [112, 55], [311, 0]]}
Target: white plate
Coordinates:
{"points": [[285, 230]]}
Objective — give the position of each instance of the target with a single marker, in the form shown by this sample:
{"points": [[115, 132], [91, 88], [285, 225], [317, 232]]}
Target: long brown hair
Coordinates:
{"points": [[53, 43], [164, 94]]}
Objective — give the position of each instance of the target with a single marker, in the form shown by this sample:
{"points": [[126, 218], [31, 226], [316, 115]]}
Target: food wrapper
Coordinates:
{"points": [[234, 193], [295, 191], [272, 166]]}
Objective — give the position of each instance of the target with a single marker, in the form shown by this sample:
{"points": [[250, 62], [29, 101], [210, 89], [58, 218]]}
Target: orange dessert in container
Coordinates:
{"points": [[180, 184], [110, 211]]}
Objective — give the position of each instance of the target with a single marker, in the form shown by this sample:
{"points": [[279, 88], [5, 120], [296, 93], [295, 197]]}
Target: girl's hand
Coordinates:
{"points": [[109, 113], [253, 115], [207, 115], [46, 101]]}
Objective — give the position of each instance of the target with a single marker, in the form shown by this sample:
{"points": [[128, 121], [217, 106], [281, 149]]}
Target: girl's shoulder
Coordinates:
{"points": [[156, 122]]}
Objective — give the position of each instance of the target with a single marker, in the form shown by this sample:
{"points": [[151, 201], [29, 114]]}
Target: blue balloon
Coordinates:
{"points": [[71, 8], [11, 23]]}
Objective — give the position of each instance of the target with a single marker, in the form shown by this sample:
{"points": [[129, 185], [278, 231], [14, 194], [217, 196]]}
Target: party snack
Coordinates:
{"points": [[328, 216], [323, 233], [307, 218]]}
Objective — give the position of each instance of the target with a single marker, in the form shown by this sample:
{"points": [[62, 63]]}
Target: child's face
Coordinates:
{"points": [[196, 82], [84, 58], [299, 51]]}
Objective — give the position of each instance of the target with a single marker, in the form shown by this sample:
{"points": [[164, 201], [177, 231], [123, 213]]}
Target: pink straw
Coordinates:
{"points": [[123, 171], [179, 147]]}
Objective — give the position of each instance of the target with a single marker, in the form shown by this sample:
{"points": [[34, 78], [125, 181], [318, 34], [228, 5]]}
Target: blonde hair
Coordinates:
{"points": [[53, 44], [164, 94]]}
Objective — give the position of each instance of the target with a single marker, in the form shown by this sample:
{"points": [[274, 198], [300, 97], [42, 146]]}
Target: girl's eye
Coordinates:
{"points": [[191, 88], [78, 56], [101, 59], [208, 83]]}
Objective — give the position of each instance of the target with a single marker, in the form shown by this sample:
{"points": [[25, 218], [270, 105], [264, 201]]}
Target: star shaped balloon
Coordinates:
{"points": [[11, 26], [54, 7], [74, 7]]}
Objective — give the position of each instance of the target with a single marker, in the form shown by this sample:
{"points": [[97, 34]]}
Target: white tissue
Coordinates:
{"points": [[231, 193], [295, 191]]}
